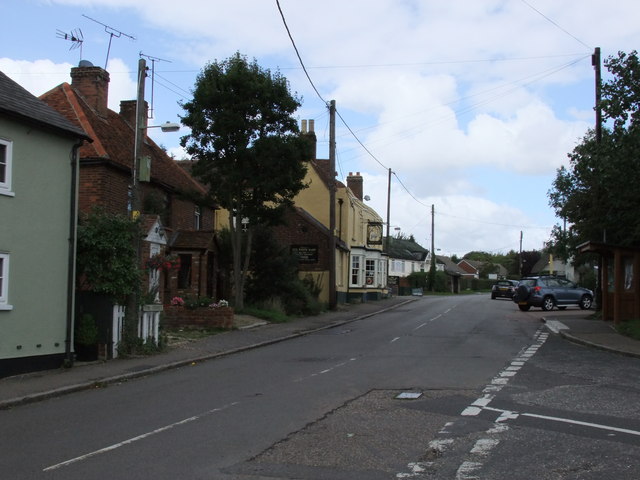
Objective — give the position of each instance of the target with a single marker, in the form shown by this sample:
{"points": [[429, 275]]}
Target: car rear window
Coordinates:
{"points": [[529, 282]]}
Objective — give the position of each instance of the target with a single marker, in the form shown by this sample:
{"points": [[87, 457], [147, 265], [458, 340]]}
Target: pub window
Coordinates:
{"points": [[356, 270]]}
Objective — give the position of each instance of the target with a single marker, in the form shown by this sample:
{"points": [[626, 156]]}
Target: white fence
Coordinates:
{"points": [[148, 327]]}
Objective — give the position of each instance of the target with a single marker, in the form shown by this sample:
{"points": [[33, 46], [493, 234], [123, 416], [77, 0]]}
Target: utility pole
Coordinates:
{"points": [[388, 210], [432, 270], [386, 247], [132, 309], [595, 61], [520, 256], [332, 205]]}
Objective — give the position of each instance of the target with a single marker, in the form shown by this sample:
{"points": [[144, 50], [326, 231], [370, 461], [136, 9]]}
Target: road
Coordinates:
{"points": [[498, 398]]}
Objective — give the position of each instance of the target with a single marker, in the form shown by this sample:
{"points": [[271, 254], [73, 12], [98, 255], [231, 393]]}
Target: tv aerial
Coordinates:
{"points": [[153, 76], [112, 33], [75, 37]]}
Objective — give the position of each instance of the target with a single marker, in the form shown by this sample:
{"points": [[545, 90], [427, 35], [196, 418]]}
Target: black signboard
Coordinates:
{"points": [[305, 253]]}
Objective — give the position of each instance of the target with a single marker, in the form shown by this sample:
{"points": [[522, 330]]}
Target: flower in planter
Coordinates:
{"points": [[221, 303], [177, 302]]}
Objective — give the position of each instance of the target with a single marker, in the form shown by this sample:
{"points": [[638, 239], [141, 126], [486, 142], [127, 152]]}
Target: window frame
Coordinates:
{"points": [[356, 270], [7, 160], [4, 281]]}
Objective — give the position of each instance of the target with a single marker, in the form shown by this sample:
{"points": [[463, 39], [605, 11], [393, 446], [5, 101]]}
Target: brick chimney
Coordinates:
{"points": [[128, 112], [355, 184], [310, 134], [92, 84]]}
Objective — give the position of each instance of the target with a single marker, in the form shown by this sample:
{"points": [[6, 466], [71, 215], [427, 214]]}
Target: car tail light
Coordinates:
{"points": [[537, 289]]}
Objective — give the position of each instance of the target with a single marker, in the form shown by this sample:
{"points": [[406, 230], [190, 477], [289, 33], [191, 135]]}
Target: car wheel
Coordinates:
{"points": [[493, 296], [585, 302], [547, 303], [524, 308], [522, 292]]}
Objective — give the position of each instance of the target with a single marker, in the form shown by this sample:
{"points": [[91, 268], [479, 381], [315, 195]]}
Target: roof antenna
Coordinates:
{"points": [[75, 37], [153, 76], [112, 33]]}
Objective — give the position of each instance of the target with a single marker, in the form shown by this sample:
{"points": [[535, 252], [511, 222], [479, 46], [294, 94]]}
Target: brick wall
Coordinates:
{"points": [[175, 317]]}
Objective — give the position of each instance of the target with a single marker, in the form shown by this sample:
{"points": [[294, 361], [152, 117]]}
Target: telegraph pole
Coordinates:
{"points": [[388, 211], [132, 309], [432, 270], [595, 61], [332, 205]]}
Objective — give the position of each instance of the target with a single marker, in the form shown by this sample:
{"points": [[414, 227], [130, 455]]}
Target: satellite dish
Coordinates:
{"points": [[367, 198], [85, 63]]}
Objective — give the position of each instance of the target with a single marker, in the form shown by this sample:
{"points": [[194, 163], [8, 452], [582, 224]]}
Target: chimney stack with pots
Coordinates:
{"points": [[355, 184]]}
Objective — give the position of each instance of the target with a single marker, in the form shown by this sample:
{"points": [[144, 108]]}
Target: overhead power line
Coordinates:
{"points": [[555, 24]]}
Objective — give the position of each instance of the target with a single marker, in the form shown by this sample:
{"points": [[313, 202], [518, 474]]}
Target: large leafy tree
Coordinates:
{"points": [[598, 193], [247, 148]]}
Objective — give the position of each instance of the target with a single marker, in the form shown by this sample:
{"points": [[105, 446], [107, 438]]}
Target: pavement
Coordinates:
{"points": [[574, 325]]}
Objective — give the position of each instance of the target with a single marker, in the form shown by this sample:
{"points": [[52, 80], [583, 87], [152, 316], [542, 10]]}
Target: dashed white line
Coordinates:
{"points": [[137, 438]]}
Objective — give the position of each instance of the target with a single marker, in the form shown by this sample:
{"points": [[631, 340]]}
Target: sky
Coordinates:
{"points": [[472, 104]]}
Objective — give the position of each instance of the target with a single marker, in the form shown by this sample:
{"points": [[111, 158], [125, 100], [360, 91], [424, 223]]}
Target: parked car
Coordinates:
{"points": [[547, 292], [503, 288]]}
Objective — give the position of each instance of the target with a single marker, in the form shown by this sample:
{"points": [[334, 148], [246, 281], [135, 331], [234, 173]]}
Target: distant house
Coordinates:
{"points": [[473, 268], [547, 265], [38, 208], [175, 217], [405, 257], [454, 272]]}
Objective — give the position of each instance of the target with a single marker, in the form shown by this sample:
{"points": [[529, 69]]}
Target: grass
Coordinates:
{"points": [[269, 315], [630, 328]]}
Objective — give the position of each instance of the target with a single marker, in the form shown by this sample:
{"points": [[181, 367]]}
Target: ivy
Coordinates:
{"points": [[106, 260]]}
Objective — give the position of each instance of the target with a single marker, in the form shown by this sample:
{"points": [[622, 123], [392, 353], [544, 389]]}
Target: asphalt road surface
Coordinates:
{"points": [[451, 387]]}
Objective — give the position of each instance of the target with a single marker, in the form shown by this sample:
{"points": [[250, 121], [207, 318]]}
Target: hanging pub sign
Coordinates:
{"points": [[305, 253], [374, 233]]}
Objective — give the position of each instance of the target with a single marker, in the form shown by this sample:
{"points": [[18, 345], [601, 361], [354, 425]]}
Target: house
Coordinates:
{"points": [[176, 219], [38, 208], [405, 257], [547, 265], [473, 269], [452, 270], [360, 264]]}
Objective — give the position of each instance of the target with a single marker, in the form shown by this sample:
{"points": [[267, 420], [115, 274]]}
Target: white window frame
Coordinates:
{"points": [[7, 160], [356, 269], [4, 282], [197, 218], [370, 265]]}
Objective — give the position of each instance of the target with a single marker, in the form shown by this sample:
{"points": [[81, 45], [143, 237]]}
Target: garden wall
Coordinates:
{"points": [[176, 317]]}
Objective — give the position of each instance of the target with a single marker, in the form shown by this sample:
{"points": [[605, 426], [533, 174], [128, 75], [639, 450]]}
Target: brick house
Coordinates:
{"points": [[175, 221]]}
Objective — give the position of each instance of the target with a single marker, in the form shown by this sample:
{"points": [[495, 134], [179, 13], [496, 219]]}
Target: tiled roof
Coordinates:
{"points": [[17, 102], [188, 239], [114, 139], [406, 249]]}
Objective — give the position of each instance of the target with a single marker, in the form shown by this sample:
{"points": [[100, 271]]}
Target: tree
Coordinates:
{"points": [[247, 148], [598, 194]]}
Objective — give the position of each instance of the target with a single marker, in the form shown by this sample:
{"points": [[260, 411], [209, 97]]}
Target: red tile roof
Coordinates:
{"points": [[114, 139]]}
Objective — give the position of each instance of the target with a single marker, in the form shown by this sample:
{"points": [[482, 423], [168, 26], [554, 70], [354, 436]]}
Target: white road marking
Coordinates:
{"points": [[484, 446], [395, 339], [326, 370], [138, 438], [466, 471]]}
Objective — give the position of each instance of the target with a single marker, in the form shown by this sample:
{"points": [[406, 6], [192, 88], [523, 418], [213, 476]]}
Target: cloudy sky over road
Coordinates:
{"points": [[473, 104]]}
